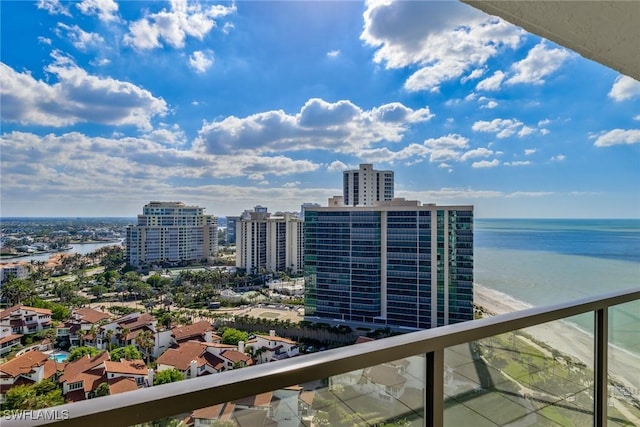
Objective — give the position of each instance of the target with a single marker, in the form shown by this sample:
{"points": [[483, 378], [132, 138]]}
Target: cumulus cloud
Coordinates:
{"points": [[44, 40], [518, 163], [529, 151], [105, 10], [443, 39], [473, 75], [79, 38], [625, 88], [618, 137], [337, 166], [478, 152], [486, 164], [173, 26], [201, 61], [490, 105], [491, 83], [503, 128], [558, 158], [76, 97], [54, 7], [340, 126], [333, 53], [539, 63]]}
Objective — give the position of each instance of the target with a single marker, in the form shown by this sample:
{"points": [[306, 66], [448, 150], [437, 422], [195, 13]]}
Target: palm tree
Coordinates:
{"points": [[145, 340], [109, 335]]}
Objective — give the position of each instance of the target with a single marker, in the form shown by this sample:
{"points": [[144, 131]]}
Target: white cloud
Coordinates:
{"points": [[618, 137], [558, 158], [340, 126], [539, 63], [486, 164], [79, 38], [490, 105], [525, 131], [503, 128], [227, 27], [544, 122], [101, 62], [201, 61], [293, 184], [491, 83], [333, 53], [76, 97], [105, 10], [529, 151], [444, 39], [44, 40], [624, 88], [174, 26], [337, 166], [54, 7], [478, 152], [518, 163], [637, 117], [473, 75]]}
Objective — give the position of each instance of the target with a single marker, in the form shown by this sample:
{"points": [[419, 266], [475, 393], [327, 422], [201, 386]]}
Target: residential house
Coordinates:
{"points": [[199, 331], [28, 368], [289, 407], [77, 329], [82, 377], [8, 339], [25, 320], [125, 330], [195, 358], [267, 348]]}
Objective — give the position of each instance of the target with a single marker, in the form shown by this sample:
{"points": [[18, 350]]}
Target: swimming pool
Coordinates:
{"points": [[59, 357]]}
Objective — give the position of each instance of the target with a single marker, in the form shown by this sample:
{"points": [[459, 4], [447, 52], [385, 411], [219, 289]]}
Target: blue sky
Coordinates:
{"points": [[106, 106]]}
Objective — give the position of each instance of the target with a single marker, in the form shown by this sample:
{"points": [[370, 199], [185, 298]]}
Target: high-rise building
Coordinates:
{"points": [[171, 233], [398, 264], [266, 242], [366, 186], [231, 229]]}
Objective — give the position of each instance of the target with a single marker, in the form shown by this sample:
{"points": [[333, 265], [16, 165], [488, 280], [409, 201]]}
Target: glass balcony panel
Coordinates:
{"points": [[520, 378], [624, 365], [390, 395]]}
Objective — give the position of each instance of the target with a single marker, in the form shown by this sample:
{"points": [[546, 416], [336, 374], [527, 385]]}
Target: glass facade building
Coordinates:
{"points": [[400, 264]]}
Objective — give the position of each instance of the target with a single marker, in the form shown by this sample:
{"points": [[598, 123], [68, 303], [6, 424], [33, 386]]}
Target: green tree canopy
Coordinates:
{"points": [[16, 291], [102, 390], [58, 311], [129, 352], [167, 376], [79, 352], [232, 336], [37, 396]]}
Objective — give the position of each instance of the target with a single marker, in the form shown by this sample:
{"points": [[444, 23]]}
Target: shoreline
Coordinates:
{"points": [[566, 337]]}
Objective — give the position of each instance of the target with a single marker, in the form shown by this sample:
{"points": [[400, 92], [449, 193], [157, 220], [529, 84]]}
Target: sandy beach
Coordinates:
{"points": [[566, 338]]}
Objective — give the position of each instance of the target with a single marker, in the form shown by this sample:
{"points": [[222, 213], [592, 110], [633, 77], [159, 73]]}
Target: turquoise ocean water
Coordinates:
{"points": [[547, 261]]}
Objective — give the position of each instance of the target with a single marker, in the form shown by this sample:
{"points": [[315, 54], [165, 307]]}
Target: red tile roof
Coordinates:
{"points": [[208, 413], [121, 385], [133, 367], [10, 338], [8, 311], [196, 330], [181, 356], [90, 315], [24, 363], [75, 368]]}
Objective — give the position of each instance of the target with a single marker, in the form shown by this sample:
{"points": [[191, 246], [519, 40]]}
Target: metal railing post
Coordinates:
{"points": [[434, 389], [600, 368]]}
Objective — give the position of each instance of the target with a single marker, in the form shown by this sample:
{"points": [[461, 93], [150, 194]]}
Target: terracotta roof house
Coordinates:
{"points": [[29, 368], [82, 377], [283, 407], [133, 324], [8, 339], [267, 348], [26, 320], [199, 331], [76, 330], [192, 358]]}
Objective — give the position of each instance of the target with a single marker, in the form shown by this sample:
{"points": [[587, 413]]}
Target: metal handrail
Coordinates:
{"points": [[184, 396]]}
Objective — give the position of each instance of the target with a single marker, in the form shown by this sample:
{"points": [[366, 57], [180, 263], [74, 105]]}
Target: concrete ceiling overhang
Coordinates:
{"points": [[604, 31]]}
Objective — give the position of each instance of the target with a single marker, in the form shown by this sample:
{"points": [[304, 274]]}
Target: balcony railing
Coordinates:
{"points": [[427, 347]]}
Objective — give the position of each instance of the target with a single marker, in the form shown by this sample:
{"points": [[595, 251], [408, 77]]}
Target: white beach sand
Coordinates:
{"points": [[566, 338]]}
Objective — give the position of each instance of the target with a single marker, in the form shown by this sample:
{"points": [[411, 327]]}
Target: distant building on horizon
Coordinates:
{"points": [[232, 221], [171, 234], [398, 264], [367, 186], [269, 242]]}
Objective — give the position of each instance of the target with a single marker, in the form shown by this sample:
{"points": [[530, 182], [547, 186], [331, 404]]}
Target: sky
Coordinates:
{"points": [[107, 105]]}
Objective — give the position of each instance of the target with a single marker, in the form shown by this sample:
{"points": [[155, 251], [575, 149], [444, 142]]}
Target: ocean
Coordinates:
{"points": [[547, 261]]}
